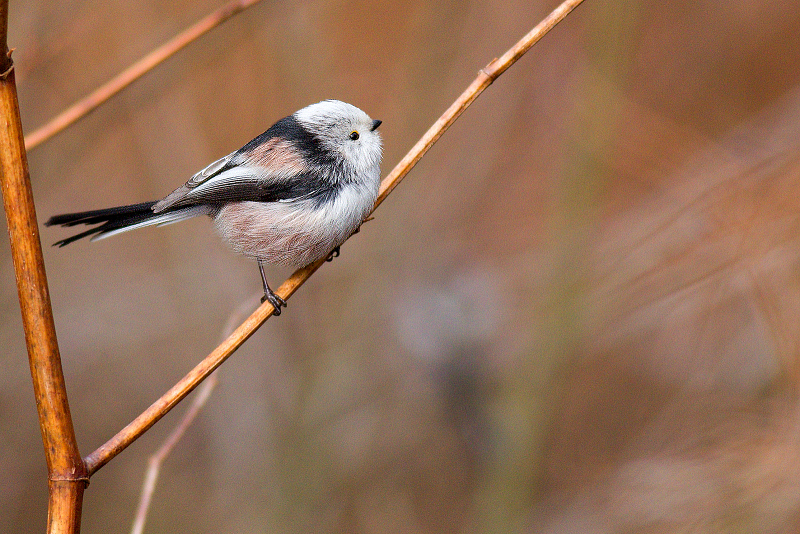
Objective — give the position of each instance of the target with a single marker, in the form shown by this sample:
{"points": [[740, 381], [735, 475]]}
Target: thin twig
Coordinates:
{"points": [[156, 460], [157, 410], [83, 107]]}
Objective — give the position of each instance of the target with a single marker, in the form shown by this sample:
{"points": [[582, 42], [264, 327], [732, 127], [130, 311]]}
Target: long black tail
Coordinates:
{"points": [[120, 219]]}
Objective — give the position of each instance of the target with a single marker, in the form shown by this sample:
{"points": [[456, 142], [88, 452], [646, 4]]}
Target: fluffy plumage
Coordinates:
{"points": [[290, 196]]}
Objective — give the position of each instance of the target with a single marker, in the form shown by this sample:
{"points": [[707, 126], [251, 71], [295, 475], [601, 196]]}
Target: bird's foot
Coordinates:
{"points": [[276, 301], [334, 254]]}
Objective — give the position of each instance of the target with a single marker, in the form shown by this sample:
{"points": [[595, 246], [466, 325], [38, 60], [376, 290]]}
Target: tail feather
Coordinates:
{"points": [[104, 215], [119, 219]]}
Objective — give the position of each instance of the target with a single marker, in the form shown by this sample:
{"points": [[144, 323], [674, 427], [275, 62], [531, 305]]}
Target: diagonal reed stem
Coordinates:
{"points": [[158, 409]]}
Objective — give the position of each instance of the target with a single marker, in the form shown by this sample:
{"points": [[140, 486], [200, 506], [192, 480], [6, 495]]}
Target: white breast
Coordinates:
{"points": [[295, 233]]}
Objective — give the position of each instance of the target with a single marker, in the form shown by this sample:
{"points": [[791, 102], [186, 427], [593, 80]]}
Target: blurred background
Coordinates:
{"points": [[580, 313]]}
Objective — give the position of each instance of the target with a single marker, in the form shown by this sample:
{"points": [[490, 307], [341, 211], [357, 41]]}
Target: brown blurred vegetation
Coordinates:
{"points": [[578, 314]]}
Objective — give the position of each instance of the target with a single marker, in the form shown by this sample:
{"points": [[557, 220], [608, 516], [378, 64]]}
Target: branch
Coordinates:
{"points": [[66, 471], [158, 409], [486, 76], [83, 107]]}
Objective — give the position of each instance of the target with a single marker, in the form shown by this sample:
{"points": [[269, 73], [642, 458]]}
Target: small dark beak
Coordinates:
{"points": [[375, 125]]}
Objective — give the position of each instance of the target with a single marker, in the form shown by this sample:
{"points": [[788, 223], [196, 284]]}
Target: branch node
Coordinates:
{"points": [[490, 70], [83, 478]]}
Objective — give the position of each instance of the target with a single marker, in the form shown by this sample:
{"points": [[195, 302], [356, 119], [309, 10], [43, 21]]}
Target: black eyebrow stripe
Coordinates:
{"points": [[289, 129]]}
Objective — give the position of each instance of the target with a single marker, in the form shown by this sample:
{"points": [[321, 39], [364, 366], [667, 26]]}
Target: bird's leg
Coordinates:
{"points": [[334, 254], [270, 295]]}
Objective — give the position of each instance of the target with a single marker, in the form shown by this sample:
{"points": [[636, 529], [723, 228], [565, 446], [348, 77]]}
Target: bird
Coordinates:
{"points": [[289, 197]]}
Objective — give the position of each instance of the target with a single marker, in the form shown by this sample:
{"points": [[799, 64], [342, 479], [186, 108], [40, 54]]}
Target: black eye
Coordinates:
{"points": [[354, 135]]}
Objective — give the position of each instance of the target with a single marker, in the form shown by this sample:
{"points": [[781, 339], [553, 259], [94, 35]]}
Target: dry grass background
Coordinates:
{"points": [[578, 314]]}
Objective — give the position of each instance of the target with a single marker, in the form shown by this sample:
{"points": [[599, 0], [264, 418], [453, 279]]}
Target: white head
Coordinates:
{"points": [[345, 131]]}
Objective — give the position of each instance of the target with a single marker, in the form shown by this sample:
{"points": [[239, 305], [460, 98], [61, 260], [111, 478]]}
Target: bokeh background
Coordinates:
{"points": [[580, 313]]}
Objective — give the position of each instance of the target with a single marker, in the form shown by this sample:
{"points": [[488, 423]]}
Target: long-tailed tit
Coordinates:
{"points": [[289, 197]]}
